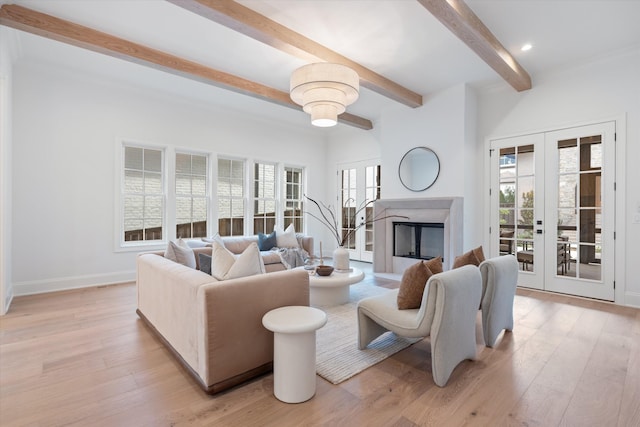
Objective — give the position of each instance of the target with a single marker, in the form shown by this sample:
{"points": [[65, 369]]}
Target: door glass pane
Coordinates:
{"points": [[579, 207], [567, 187], [348, 207], [525, 192], [517, 183], [372, 192]]}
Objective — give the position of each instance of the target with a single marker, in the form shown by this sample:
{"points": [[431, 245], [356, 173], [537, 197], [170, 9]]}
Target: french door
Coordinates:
{"points": [[553, 207], [359, 184]]}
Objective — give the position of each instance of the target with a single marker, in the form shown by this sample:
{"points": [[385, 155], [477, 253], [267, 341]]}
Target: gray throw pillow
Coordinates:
{"points": [[205, 263], [181, 253]]}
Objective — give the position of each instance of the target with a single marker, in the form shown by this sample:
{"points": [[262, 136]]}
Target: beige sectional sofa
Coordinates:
{"points": [[215, 327]]}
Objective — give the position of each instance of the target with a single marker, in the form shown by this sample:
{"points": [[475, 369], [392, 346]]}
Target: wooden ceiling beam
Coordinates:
{"points": [[48, 26], [250, 23], [461, 21]]}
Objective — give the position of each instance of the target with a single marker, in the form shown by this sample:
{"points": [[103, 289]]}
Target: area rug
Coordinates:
{"points": [[337, 354]]}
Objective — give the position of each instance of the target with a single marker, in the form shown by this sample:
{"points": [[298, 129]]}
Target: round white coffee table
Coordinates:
{"points": [[333, 289], [294, 350]]}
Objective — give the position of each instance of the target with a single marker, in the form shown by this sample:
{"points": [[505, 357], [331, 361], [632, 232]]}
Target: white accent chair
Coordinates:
{"points": [[447, 314], [499, 280]]}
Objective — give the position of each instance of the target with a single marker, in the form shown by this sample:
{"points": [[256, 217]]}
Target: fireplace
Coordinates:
{"points": [[445, 211], [418, 240]]}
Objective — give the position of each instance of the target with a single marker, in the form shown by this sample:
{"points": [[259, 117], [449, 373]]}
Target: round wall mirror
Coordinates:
{"points": [[419, 168]]}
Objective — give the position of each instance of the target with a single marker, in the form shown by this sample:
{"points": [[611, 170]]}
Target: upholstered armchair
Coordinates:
{"points": [[499, 280], [447, 314]]}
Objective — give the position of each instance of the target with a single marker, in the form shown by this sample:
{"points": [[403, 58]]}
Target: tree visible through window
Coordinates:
{"points": [[142, 194]]}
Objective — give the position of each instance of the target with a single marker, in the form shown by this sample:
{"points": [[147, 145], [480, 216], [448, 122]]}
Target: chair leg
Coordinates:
{"points": [[368, 329]]}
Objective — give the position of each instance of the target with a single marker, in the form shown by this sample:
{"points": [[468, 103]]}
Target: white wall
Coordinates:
{"points": [[606, 89], [66, 127], [6, 78], [440, 124]]}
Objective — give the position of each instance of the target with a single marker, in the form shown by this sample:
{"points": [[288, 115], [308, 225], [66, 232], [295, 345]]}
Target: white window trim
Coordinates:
{"points": [[119, 243]]}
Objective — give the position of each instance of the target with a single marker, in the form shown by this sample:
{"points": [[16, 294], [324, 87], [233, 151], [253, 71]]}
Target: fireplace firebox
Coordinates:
{"points": [[419, 240]]}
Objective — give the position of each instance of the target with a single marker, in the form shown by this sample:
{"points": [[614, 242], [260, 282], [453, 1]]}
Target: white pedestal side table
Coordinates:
{"points": [[294, 350], [332, 290]]}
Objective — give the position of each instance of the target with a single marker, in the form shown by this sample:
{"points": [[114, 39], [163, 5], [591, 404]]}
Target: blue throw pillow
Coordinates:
{"points": [[267, 241]]}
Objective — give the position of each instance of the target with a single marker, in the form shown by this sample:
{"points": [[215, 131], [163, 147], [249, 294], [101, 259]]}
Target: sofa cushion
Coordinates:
{"points": [[271, 257], [193, 244], [267, 241], [286, 238], [210, 240], [412, 286], [237, 244], [224, 265], [181, 253]]}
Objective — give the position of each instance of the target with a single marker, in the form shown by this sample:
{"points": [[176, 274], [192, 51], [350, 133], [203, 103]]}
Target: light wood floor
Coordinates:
{"points": [[83, 358]]}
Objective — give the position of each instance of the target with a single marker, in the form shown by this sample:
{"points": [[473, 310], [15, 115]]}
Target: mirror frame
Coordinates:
{"points": [[427, 184]]}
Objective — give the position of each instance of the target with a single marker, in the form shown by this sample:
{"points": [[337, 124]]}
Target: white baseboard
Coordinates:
{"points": [[632, 299], [76, 282]]}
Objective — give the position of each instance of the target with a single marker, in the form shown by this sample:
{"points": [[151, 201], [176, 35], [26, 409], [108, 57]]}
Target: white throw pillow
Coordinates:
{"points": [[286, 238], [181, 253], [224, 265]]}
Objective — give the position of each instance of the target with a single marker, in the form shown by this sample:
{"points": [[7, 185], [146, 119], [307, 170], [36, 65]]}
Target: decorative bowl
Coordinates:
{"points": [[324, 270]]}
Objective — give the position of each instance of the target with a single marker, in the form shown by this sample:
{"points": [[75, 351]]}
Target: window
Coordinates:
{"points": [[142, 194], [231, 197], [276, 194], [264, 197], [293, 197], [191, 195]]}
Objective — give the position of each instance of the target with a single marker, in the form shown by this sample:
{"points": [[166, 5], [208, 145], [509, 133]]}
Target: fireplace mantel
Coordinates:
{"points": [[446, 210]]}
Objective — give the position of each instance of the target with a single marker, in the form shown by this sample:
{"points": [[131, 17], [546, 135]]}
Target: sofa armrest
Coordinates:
{"points": [[233, 340], [167, 298]]}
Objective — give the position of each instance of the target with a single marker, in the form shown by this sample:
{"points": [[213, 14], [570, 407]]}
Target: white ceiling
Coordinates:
{"points": [[396, 38]]}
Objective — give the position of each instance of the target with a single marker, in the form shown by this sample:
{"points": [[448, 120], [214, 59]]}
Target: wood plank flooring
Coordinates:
{"points": [[83, 358]]}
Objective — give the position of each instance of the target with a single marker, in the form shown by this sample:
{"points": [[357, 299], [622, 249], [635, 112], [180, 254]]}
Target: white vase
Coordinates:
{"points": [[341, 258]]}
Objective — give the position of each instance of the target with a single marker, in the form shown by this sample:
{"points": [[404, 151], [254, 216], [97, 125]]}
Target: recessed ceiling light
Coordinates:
{"points": [[526, 47]]}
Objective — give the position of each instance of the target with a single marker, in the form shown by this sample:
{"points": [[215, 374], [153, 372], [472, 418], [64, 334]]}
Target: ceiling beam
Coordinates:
{"points": [[57, 29], [250, 23], [461, 21]]}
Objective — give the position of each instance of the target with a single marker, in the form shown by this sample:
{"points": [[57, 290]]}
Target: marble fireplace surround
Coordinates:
{"points": [[446, 210]]}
